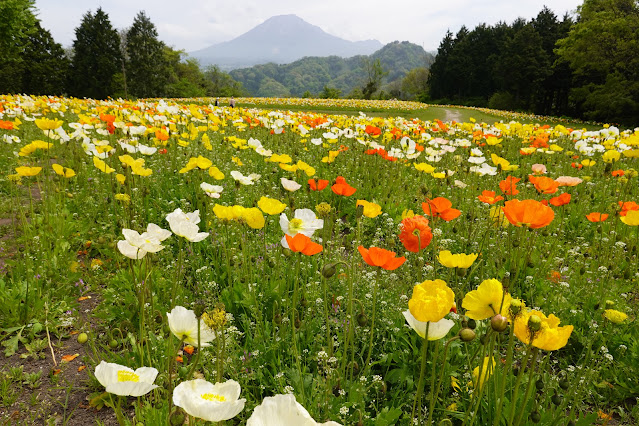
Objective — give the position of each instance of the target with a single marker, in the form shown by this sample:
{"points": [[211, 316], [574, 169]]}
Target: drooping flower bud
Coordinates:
{"points": [[467, 335], [329, 270], [499, 323]]}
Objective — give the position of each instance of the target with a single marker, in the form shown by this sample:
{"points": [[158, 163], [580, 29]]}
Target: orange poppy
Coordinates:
{"points": [[440, 207], [576, 166], [385, 259], [372, 130], [617, 173], [489, 197], [560, 200], [508, 185], [416, 234], [300, 243], [530, 213], [543, 184], [626, 206], [6, 125], [596, 217], [342, 188], [317, 185], [162, 135]]}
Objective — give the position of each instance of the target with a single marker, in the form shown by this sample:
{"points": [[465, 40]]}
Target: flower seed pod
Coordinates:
{"points": [[534, 323], [362, 319], [539, 384], [515, 307], [535, 417], [556, 399], [564, 384], [467, 335]]}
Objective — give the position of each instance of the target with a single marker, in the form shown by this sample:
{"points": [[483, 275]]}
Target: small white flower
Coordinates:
{"points": [[290, 185], [212, 191]]}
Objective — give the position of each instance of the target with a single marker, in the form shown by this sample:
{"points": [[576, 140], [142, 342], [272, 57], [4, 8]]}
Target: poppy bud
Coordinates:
{"points": [[303, 302], [466, 334], [287, 252], [199, 308], [499, 323], [277, 319], [539, 384], [177, 418], [472, 323], [359, 211], [556, 399], [362, 319], [610, 304], [534, 323], [113, 343], [461, 272], [564, 384], [535, 417], [329, 270], [298, 323]]}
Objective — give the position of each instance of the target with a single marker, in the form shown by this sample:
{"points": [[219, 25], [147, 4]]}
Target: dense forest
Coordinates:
{"points": [[584, 66], [103, 62], [349, 76]]}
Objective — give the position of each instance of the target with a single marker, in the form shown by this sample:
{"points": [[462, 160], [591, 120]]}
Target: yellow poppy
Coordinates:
{"points": [[431, 300], [486, 301]]}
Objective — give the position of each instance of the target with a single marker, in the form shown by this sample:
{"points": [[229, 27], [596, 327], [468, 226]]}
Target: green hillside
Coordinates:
{"points": [[314, 73]]}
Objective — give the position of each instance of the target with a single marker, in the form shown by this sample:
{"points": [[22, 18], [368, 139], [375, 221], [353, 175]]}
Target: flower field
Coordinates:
{"points": [[268, 267]]}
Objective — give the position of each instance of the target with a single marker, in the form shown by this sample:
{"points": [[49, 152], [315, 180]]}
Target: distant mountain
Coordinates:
{"points": [[280, 39], [313, 73]]}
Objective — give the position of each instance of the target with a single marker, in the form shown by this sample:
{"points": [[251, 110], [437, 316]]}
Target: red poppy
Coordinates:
{"points": [[440, 207], [560, 200], [489, 197], [109, 118], [385, 259], [317, 185], [300, 243], [163, 151], [342, 188], [416, 234], [508, 185], [596, 217], [576, 166], [530, 213]]}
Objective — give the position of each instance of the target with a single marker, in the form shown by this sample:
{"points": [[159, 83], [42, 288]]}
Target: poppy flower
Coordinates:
{"points": [[508, 185], [317, 184], [282, 410], [48, 124], [416, 234], [530, 213], [568, 181], [431, 301], [184, 325], [440, 207], [342, 188], [212, 402], [436, 330], [544, 185], [626, 206], [370, 209], [485, 302], [618, 173], [560, 200], [461, 260], [124, 381], [385, 259], [271, 206], [549, 336], [539, 169], [596, 217], [25, 171], [489, 197], [631, 218], [300, 243]]}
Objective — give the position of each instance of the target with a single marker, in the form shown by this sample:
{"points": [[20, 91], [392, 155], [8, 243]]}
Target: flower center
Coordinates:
{"points": [[213, 397], [295, 225], [127, 376]]}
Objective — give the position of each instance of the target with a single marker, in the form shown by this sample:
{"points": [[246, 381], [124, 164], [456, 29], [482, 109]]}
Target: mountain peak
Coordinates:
{"points": [[281, 39]]}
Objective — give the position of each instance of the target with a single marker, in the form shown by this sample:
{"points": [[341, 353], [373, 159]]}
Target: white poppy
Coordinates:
{"points": [[183, 325], [120, 380], [212, 191], [245, 180], [185, 225], [304, 222], [281, 410], [290, 185], [136, 246], [208, 401]]}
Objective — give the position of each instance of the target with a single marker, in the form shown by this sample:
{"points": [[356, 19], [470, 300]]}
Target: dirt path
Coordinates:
{"points": [[452, 115]]}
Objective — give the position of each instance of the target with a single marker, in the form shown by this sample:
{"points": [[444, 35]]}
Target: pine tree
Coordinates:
{"points": [[97, 58], [46, 65], [16, 22], [146, 73]]}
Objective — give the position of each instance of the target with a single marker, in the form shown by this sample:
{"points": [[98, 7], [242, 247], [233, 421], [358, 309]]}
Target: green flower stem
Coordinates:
{"points": [[431, 400], [481, 367], [420, 383], [439, 380], [293, 310], [482, 383], [172, 354], [513, 399], [177, 272], [370, 342], [531, 377], [502, 385]]}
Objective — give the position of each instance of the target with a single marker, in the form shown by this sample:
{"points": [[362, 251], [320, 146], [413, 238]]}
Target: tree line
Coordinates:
{"points": [[585, 67], [102, 62]]}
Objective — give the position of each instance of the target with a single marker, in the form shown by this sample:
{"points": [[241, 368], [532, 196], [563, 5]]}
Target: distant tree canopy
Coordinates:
{"points": [[146, 70], [588, 68]]}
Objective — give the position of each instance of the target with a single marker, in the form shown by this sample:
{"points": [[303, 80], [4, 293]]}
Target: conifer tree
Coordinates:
{"points": [[97, 58], [16, 22], [146, 72], [46, 65]]}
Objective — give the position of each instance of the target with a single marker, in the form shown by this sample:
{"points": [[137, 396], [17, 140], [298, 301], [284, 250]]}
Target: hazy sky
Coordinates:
{"points": [[195, 24]]}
